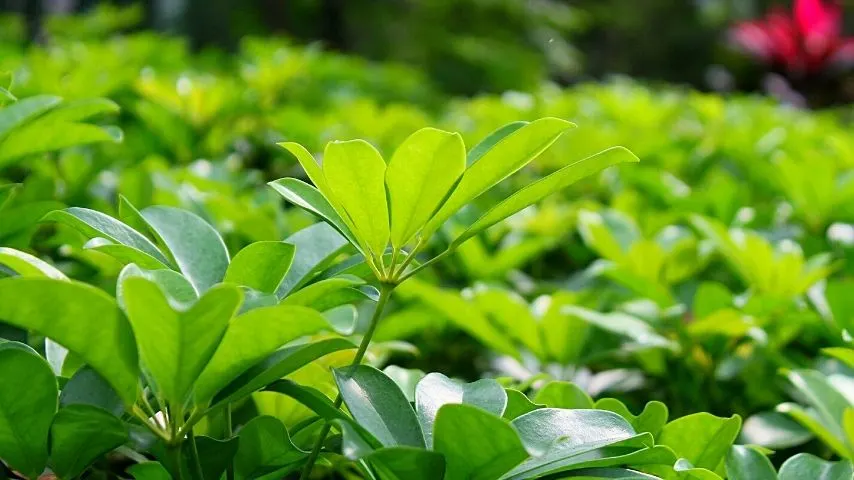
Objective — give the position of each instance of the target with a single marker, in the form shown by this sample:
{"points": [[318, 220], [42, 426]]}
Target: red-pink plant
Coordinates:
{"points": [[807, 40]]}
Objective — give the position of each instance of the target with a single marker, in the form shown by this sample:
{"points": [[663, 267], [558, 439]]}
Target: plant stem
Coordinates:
{"points": [[174, 452], [229, 471], [385, 293], [194, 456]]}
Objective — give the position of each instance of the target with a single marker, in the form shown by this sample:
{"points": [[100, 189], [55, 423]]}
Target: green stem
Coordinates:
{"points": [[229, 471], [425, 265], [385, 293], [174, 453], [194, 456]]}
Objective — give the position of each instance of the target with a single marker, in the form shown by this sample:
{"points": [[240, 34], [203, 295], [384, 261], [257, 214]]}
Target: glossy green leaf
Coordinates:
{"points": [[583, 430], [609, 473], [544, 187], [436, 390], [198, 249], [563, 395], [86, 387], [261, 266], [827, 401], [175, 286], [379, 406], [804, 465], [277, 365], [316, 402], [506, 157], [149, 471], [26, 109], [175, 346], [420, 175], [317, 291], [46, 136], [27, 265], [27, 405], [79, 317], [518, 404], [79, 435], [651, 420], [405, 378], [316, 247], [701, 438], [96, 224], [773, 430], [215, 456], [355, 172], [476, 443], [831, 434], [406, 463], [124, 254], [311, 199], [250, 338], [264, 447], [748, 463], [491, 140]]}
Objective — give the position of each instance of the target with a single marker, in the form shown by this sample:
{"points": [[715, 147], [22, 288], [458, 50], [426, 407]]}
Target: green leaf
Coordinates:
{"points": [[421, 173], [511, 313], [250, 338], [315, 248], [355, 172], [844, 355], [379, 406], [405, 378], [506, 157], [491, 140], [96, 224], [804, 465], [26, 109], [748, 463], [124, 254], [80, 434], [830, 434], [82, 319], [309, 198], [27, 405], [436, 390], [558, 394], [175, 346], [265, 446], [318, 403], [177, 288], [773, 430], [476, 443], [821, 395], [625, 453], [518, 404], [27, 265], [80, 109], [580, 430], [149, 471], [651, 420], [215, 456], [86, 387], [619, 323], [701, 438], [261, 266], [609, 473], [309, 295], [406, 463], [544, 187], [47, 136], [277, 365], [198, 249]]}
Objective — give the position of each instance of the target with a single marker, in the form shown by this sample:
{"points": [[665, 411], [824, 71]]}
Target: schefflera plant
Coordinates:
{"points": [[190, 332], [389, 211]]}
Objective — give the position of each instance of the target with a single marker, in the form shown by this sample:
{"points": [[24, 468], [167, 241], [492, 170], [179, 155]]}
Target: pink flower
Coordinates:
{"points": [[807, 40]]}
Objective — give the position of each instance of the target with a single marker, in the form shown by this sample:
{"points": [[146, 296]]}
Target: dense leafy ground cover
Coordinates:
{"points": [[512, 309]]}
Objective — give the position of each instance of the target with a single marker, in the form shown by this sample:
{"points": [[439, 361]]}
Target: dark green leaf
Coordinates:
{"points": [[804, 465], [86, 387], [316, 247], [748, 463], [80, 434], [265, 446]]}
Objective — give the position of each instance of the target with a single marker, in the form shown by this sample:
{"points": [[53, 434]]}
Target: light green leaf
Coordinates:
{"points": [[491, 140], [421, 174], [27, 405], [124, 254], [650, 420], [309, 295], [79, 317], [510, 311], [436, 390], [277, 365], [476, 443], [80, 434], [804, 465], [406, 463], [175, 346], [544, 187], [264, 447], [26, 109], [506, 157], [826, 400], [609, 473], [316, 247], [405, 378], [311, 199], [149, 471], [250, 338], [830, 434], [518, 404], [379, 406], [748, 463], [844, 355], [96, 224], [355, 172], [41, 137], [558, 394], [198, 249], [176, 286], [27, 265], [261, 266], [581, 430], [701, 438], [80, 109], [319, 404], [773, 430]]}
